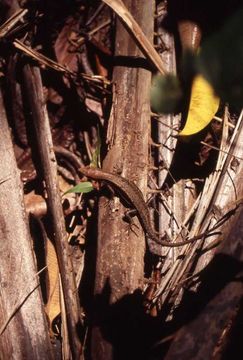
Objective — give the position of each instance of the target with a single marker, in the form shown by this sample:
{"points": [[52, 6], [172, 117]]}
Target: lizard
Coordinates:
{"points": [[133, 194]]}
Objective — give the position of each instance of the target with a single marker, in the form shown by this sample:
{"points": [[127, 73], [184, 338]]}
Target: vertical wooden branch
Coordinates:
{"points": [[120, 253], [33, 86], [24, 331]]}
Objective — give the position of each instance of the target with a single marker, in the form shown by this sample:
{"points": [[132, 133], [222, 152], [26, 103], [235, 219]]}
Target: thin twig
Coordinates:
{"points": [[19, 304], [45, 61], [96, 13], [11, 22], [220, 150]]}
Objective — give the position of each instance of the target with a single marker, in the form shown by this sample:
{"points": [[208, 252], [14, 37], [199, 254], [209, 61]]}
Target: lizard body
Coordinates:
{"points": [[135, 197]]}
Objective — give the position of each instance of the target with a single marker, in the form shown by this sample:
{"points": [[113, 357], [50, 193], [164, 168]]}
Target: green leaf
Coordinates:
{"points": [[221, 60], [83, 187], [165, 94]]}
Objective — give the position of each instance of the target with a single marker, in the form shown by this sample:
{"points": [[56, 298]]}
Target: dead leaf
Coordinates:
{"points": [[203, 106]]}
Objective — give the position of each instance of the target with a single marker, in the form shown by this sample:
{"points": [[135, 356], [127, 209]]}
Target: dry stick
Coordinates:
{"points": [[33, 87], [16, 308], [96, 13], [232, 126], [45, 61], [136, 32], [11, 22], [212, 245], [199, 338], [20, 303], [209, 206], [220, 150], [226, 161]]}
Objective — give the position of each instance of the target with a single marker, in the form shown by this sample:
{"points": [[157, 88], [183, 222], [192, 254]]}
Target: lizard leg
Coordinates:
{"points": [[128, 217], [129, 214]]}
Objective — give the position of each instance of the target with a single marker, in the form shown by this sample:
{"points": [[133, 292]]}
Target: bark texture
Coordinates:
{"points": [[120, 248], [24, 331], [33, 87], [217, 299]]}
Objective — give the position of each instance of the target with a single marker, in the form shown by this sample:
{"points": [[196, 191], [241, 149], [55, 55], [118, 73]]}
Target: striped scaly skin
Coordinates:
{"points": [[135, 197]]}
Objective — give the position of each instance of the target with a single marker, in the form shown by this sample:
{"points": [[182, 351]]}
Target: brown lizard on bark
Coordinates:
{"points": [[135, 197]]}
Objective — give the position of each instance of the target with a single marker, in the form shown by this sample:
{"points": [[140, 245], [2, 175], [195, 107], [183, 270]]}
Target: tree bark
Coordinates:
{"points": [[33, 88], [24, 331], [120, 248]]}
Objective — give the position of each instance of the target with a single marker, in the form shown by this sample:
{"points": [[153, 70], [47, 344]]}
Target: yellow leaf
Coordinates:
{"points": [[203, 106]]}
